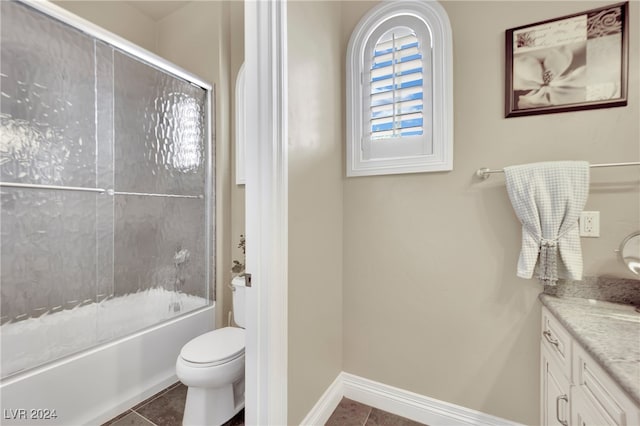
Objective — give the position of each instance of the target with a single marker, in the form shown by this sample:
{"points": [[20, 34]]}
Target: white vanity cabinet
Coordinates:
{"points": [[575, 390], [555, 356]]}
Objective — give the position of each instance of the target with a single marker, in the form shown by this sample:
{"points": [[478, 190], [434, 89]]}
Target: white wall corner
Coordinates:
{"points": [[397, 401], [327, 403]]}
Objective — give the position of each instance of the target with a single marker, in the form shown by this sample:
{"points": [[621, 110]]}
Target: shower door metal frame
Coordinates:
{"points": [[137, 52]]}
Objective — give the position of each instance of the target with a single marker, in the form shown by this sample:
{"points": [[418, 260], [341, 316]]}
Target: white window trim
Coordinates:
{"points": [[435, 18]]}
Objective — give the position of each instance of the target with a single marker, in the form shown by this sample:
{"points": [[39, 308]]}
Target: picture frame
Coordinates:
{"points": [[575, 62]]}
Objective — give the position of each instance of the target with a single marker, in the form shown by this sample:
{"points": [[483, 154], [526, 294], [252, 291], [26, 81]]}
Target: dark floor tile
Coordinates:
{"points": [[349, 413], [382, 418], [155, 395], [132, 419], [115, 419], [237, 420], [167, 409]]}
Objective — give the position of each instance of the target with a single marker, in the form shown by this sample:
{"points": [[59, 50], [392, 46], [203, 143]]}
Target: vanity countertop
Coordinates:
{"points": [[609, 332]]}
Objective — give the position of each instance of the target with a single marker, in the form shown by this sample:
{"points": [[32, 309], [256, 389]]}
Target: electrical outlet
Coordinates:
{"points": [[590, 224]]}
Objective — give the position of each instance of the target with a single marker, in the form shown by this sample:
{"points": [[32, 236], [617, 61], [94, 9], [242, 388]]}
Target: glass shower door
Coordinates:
{"points": [[159, 180], [48, 236], [105, 194]]}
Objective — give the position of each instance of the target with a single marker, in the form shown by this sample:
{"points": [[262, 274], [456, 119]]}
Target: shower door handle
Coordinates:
{"points": [[247, 280]]}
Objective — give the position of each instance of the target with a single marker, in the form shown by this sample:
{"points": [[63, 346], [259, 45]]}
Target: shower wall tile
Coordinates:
{"points": [[47, 120], [160, 124], [48, 246], [159, 242]]}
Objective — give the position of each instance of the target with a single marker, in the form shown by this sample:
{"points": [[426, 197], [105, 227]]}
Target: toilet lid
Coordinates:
{"points": [[216, 346]]}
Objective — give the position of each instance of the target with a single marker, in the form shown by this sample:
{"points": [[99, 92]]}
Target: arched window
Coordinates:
{"points": [[399, 90]]}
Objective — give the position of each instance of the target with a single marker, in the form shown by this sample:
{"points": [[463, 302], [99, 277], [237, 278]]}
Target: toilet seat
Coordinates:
{"points": [[214, 348]]}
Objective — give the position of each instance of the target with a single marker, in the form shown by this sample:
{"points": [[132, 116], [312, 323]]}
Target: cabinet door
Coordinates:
{"points": [[555, 392], [598, 399]]}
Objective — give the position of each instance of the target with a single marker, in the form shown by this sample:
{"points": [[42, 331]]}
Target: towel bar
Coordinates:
{"points": [[484, 172]]}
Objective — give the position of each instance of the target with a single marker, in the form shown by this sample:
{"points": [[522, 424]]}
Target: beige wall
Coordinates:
{"points": [[118, 17], [315, 202], [207, 39], [431, 302]]}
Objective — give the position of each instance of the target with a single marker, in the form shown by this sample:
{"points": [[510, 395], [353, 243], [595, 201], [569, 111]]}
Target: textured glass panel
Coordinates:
{"points": [[104, 134], [47, 120], [160, 131], [159, 242], [36, 341], [159, 261], [48, 246], [122, 315]]}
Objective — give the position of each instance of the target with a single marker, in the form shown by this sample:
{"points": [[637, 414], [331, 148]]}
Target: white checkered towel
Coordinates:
{"points": [[548, 198]]}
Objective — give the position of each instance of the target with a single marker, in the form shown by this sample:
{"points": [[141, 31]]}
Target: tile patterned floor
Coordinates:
{"points": [[163, 409], [352, 413], [166, 408]]}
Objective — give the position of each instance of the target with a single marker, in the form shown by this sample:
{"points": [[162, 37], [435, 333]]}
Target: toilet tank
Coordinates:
{"points": [[238, 294]]}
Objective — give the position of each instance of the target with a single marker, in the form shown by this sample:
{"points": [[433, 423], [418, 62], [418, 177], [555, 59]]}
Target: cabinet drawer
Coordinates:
{"points": [[555, 337], [585, 413]]}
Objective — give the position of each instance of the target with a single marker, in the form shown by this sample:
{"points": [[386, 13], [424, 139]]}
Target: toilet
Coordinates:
{"points": [[212, 367]]}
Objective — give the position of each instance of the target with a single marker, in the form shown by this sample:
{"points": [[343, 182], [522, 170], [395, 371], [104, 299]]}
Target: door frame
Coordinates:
{"points": [[266, 211]]}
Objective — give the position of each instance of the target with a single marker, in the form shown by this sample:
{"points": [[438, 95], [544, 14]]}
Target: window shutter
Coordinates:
{"points": [[396, 82]]}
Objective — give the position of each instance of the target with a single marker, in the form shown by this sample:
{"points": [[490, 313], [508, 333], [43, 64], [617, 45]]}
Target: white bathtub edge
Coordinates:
{"points": [[132, 402], [97, 385]]}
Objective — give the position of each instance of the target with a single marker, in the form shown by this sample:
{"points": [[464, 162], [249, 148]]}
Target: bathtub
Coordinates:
{"points": [[92, 386]]}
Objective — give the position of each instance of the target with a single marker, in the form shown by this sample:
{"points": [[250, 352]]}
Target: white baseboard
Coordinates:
{"points": [[400, 402], [325, 406]]}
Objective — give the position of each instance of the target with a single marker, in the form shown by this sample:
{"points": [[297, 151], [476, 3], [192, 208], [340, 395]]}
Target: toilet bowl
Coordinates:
{"points": [[212, 367]]}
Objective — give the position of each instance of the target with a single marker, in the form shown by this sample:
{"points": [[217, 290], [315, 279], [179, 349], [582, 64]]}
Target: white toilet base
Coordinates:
{"points": [[214, 394], [212, 407]]}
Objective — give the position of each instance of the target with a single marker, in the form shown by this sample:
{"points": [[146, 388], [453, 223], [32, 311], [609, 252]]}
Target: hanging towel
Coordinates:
{"points": [[548, 198]]}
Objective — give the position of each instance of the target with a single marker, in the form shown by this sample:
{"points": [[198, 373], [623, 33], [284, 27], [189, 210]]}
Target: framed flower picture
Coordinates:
{"points": [[575, 62]]}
